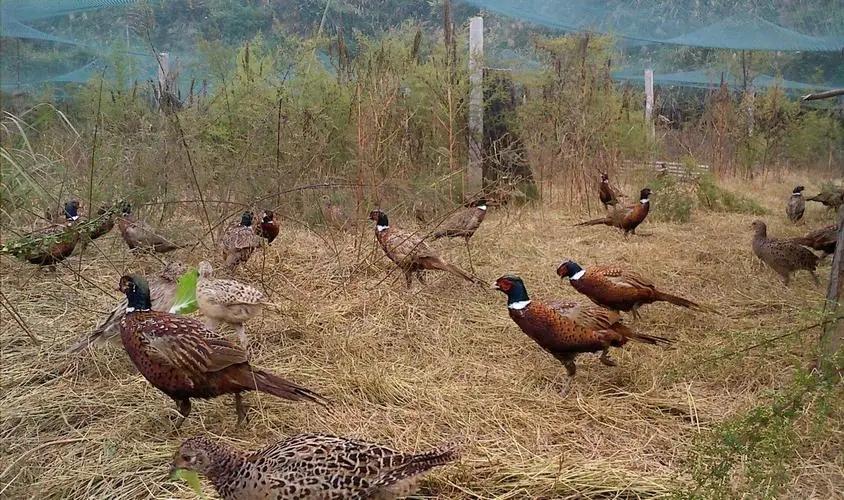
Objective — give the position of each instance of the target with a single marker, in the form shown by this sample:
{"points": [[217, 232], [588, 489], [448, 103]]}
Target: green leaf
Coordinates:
{"points": [[190, 477], [186, 293]]}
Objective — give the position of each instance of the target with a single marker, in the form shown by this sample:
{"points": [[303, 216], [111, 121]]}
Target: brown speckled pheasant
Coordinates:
{"points": [[616, 288], [783, 256], [796, 205], [566, 330], [139, 235], [463, 224], [822, 240], [831, 197], [333, 214], [606, 192], [409, 252], [625, 218], [162, 290], [180, 357], [226, 301], [309, 467], [239, 241]]}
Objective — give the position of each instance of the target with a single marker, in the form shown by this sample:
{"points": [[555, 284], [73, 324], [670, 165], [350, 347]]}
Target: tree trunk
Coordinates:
{"points": [[832, 338]]}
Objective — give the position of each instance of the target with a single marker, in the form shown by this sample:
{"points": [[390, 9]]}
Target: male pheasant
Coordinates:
{"points": [[238, 241], [616, 288], [410, 253], [796, 205], [625, 218], [564, 329]]}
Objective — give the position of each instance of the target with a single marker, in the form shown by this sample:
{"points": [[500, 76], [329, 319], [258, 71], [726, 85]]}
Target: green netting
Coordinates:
{"points": [[753, 33], [10, 28], [707, 78], [691, 23], [30, 10]]}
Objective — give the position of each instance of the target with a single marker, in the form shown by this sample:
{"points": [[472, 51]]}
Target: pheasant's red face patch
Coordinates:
{"points": [[504, 284], [373, 215]]}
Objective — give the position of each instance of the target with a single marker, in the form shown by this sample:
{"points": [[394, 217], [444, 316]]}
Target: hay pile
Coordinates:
{"points": [[440, 363]]}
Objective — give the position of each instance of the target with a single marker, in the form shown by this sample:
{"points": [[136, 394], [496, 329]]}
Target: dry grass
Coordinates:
{"points": [[441, 363]]}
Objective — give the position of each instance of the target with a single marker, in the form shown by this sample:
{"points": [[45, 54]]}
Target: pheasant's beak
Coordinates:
{"points": [[495, 286]]}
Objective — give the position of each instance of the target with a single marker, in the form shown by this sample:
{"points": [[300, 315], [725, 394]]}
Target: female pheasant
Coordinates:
{"points": [[616, 288], [179, 357], [226, 301], [783, 256], [625, 218], [309, 466], [463, 224], [565, 329], [822, 240], [409, 252], [140, 235]]}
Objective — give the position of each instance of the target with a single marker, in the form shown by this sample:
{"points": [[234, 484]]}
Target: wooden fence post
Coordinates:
{"points": [[649, 102], [474, 174], [163, 62], [832, 338]]}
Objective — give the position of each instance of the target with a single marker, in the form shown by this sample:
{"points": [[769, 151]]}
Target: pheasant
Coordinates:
{"points": [[139, 235], [309, 466], [823, 239], [179, 357], [410, 253], [239, 241], [831, 197], [796, 205], [162, 296], [60, 214], [616, 288], [606, 193], [49, 245], [566, 330], [783, 256], [268, 228], [226, 301], [625, 218], [105, 217], [463, 224]]}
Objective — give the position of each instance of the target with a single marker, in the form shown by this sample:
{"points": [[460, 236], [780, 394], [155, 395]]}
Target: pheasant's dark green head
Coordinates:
{"points": [[568, 269], [71, 210], [514, 288], [136, 289], [380, 218]]}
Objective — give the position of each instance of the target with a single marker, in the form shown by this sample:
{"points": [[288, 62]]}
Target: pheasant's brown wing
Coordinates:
{"points": [[559, 334], [185, 344], [402, 246], [587, 316], [622, 277], [239, 237]]}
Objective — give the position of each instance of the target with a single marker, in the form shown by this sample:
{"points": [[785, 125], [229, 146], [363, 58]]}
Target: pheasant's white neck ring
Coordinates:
{"points": [[606, 181], [519, 305], [644, 201], [132, 309], [381, 228], [482, 207], [796, 194], [74, 217], [578, 275]]}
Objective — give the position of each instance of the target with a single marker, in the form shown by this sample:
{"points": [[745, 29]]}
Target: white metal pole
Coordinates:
{"points": [[474, 174]]}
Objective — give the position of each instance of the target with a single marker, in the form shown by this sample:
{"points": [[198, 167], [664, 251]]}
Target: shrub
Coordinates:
{"points": [[672, 200], [712, 197]]}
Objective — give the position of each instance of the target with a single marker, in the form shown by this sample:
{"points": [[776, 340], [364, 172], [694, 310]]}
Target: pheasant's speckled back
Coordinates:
{"points": [[313, 466]]}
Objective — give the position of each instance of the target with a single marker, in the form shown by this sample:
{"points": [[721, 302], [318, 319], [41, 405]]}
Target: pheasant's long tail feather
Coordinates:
{"points": [[413, 466], [108, 330], [640, 337], [262, 381], [594, 222], [451, 268], [678, 301]]}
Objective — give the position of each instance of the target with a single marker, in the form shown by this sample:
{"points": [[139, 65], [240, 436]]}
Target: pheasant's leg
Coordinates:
{"points": [[605, 357], [420, 275], [241, 335], [634, 311], [240, 408], [786, 278], [571, 369], [184, 411], [469, 251], [815, 277], [408, 276]]}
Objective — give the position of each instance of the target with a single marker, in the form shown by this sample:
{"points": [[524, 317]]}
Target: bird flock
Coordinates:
{"points": [[186, 358]]}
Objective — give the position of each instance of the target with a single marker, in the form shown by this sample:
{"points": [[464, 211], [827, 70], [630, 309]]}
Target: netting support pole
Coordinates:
{"points": [[649, 102], [473, 182], [163, 74]]}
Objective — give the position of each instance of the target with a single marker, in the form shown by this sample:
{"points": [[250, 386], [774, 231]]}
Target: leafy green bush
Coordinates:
{"points": [[711, 196], [672, 201]]}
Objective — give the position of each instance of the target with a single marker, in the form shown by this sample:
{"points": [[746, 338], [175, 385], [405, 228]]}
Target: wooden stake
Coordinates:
{"points": [[649, 101]]}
